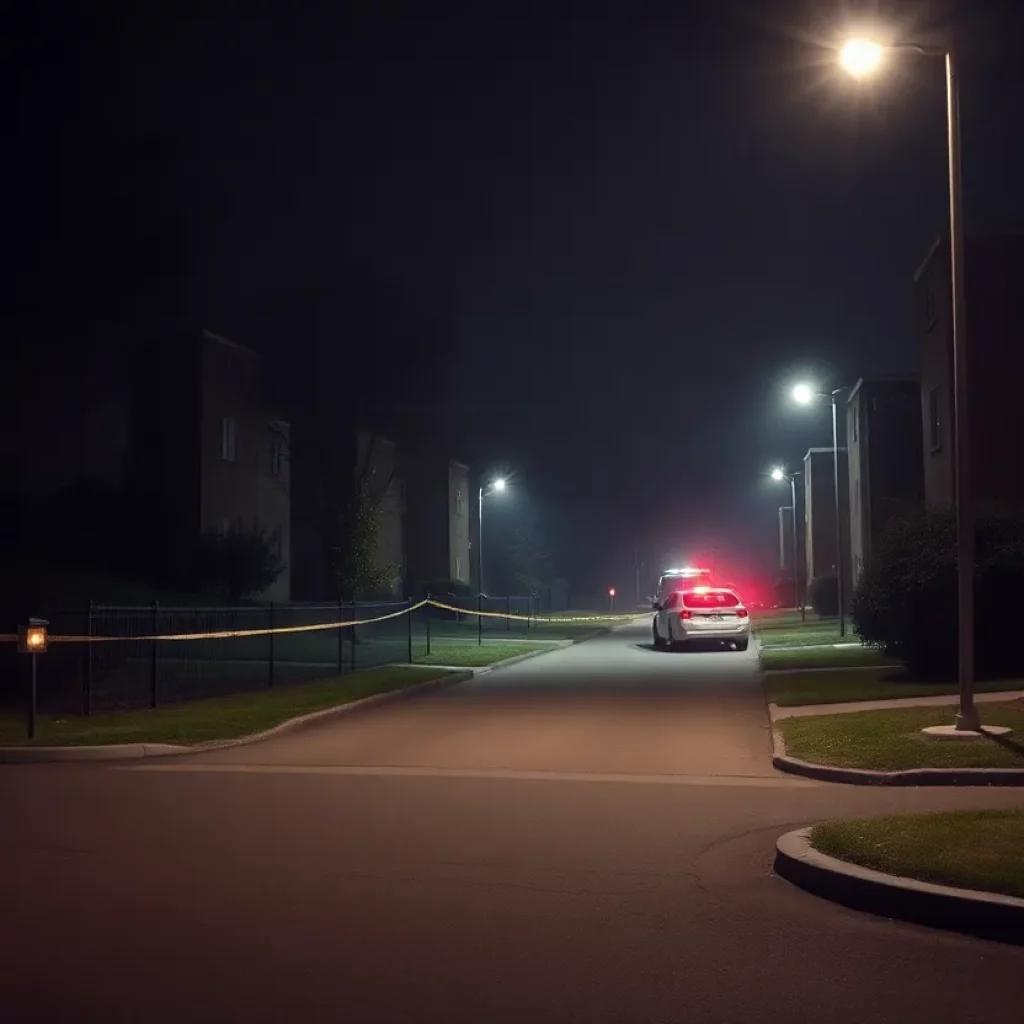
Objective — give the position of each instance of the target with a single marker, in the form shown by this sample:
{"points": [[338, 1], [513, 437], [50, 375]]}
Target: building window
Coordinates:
{"points": [[856, 418], [228, 439], [935, 419]]}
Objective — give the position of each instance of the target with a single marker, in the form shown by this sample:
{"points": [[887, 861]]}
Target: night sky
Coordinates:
{"points": [[600, 240]]}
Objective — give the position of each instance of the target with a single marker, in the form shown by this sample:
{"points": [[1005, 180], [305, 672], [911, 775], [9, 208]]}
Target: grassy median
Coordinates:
{"points": [[807, 634], [473, 655], [965, 849], [822, 657], [892, 740], [216, 719]]}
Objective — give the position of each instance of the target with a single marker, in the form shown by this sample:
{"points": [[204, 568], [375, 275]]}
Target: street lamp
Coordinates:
{"points": [[805, 394], [778, 474], [861, 57], [496, 486]]}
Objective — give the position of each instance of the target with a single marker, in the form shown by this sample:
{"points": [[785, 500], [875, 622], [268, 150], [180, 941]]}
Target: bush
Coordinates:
{"points": [[239, 562], [824, 596], [906, 601]]}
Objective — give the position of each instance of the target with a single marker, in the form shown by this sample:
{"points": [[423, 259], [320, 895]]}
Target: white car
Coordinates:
{"points": [[703, 613]]}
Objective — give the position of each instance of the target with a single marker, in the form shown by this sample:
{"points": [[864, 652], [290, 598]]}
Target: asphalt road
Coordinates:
{"points": [[586, 836]]}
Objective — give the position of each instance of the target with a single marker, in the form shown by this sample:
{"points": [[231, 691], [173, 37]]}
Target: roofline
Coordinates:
{"points": [[884, 378], [210, 336], [922, 266]]}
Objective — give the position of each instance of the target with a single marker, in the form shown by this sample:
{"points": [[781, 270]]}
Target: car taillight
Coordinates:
{"points": [[741, 613], [686, 614]]}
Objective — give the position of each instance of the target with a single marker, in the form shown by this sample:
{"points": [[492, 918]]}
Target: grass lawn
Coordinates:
{"points": [[892, 740], [219, 718], [802, 636], [822, 657], [471, 654], [966, 849], [836, 686]]}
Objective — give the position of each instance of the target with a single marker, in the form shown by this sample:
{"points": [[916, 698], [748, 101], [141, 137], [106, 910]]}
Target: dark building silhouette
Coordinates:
{"points": [[883, 433], [820, 513], [995, 329]]}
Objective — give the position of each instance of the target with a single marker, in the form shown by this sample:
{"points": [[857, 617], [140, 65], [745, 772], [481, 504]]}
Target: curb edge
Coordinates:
{"points": [[983, 914]]}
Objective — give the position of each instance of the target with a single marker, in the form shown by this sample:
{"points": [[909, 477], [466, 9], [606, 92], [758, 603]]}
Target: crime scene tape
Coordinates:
{"points": [[230, 634], [529, 618]]}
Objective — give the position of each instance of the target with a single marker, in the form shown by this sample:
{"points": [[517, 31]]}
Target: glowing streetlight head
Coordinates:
{"points": [[803, 393], [778, 474], [860, 57], [499, 484]]}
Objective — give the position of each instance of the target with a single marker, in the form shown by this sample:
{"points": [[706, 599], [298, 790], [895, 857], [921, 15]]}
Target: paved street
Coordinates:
{"points": [[586, 836]]}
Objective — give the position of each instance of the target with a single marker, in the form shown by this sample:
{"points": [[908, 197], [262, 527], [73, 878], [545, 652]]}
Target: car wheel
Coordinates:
{"points": [[741, 645], [659, 643]]}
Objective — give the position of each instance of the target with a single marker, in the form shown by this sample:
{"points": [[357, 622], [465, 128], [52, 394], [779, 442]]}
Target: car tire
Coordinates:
{"points": [[659, 643], [741, 645]]}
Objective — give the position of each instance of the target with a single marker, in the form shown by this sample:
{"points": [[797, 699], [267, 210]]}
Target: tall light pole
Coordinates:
{"points": [[779, 474], [805, 395], [861, 58], [497, 485]]}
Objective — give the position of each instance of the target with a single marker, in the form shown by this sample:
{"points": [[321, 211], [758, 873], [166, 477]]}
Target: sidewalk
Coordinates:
{"points": [[803, 711]]}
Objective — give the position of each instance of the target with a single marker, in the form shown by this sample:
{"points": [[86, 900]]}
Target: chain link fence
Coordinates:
{"points": [[133, 670]]}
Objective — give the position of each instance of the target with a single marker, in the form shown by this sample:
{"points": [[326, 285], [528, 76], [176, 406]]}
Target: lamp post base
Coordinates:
{"points": [[954, 732]]}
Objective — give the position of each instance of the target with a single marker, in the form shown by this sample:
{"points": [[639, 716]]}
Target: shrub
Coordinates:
{"points": [[239, 562], [906, 600], [824, 596]]}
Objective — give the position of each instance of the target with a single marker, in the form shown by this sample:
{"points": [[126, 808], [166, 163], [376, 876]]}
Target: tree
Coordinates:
{"points": [[239, 562], [906, 600], [357, 574], [824, 596]]}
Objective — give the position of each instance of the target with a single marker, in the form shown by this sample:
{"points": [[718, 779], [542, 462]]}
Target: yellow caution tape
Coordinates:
{"points": [[230, 634], [530, 618]]}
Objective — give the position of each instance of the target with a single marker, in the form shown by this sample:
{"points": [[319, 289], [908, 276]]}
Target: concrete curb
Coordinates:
{"points": [[910, 777], [984, 914], [134, 751]]}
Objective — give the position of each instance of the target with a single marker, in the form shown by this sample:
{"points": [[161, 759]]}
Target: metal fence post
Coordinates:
{"points": [[426, 615], [341, 638], [270, 651], [33, 696], [87, 681], [153, 694], [352, 639], [479, 619], [508, 613], [408, 631]]}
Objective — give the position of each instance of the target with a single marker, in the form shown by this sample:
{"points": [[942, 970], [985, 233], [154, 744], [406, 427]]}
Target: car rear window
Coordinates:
{"points": [[713, 599]]}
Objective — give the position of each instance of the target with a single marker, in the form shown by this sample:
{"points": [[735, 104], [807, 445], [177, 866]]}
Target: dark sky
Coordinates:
{"points": [[600, 239]]}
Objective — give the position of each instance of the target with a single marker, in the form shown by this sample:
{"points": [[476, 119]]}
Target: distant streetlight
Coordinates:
{"points": [[778, 474], [805, 394], [861, 58], [496, 486], [611, 599]]}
